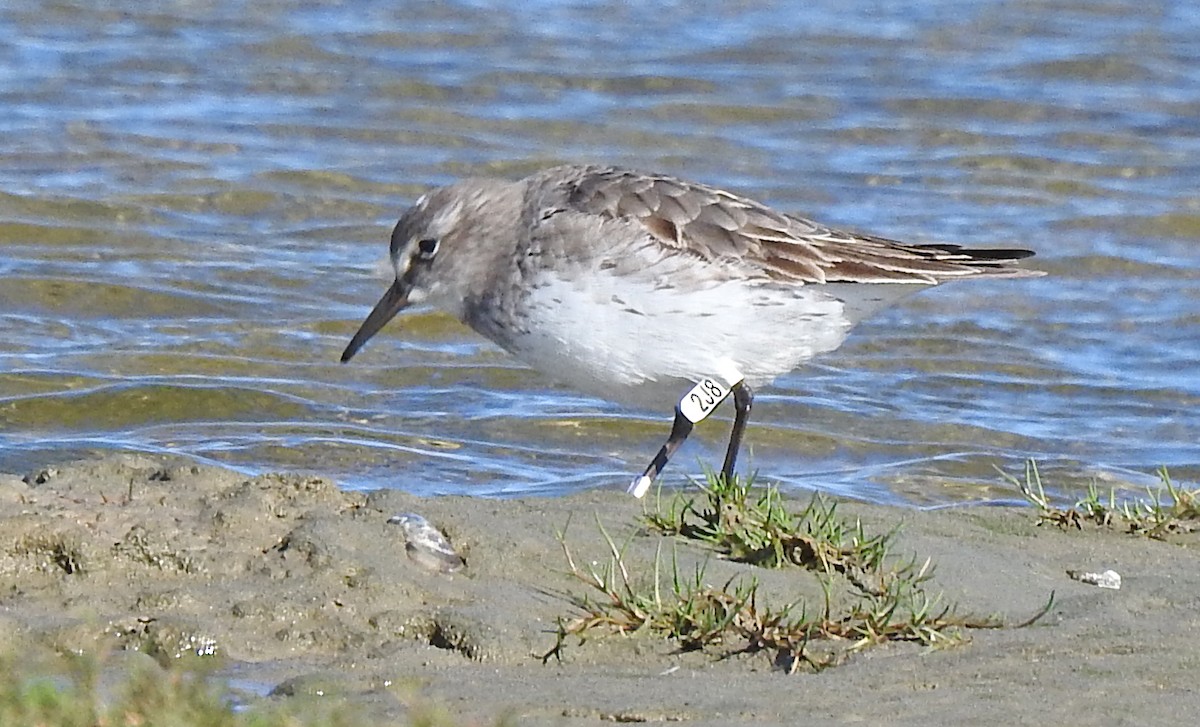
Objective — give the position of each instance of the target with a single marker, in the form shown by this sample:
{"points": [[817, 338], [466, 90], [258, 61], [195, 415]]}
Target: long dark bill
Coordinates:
{"points": [[392, 302]]}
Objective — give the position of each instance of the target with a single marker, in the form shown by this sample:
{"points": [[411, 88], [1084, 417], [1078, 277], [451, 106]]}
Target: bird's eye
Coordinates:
{"points": [[427, 248]]}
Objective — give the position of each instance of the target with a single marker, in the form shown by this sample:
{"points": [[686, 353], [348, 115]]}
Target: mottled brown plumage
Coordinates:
{"points": [[716, 224]]}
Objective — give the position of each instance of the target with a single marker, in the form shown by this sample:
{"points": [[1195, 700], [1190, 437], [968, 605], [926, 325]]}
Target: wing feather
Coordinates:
{"points": [[726, 228]]}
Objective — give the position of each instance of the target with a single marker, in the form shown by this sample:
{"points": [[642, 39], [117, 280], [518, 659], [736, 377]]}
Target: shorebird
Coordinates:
{"points": [[619, 283]]}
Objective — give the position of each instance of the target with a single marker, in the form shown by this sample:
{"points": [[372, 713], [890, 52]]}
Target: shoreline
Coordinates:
{"points": [[306, 588]]}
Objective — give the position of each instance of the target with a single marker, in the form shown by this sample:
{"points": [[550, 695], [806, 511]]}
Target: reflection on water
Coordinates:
{"points": [[195, 201]]}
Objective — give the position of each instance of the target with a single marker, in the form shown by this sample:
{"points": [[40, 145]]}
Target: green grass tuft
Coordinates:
{"points": [[97, 691], [1165, 511], [753, 525], [886, 600]]}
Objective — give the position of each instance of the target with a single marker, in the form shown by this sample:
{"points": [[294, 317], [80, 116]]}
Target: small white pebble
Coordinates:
{"points": [[1107, 579]]}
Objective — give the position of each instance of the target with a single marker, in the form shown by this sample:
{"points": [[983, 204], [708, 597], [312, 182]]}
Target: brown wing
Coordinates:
{"points": [[715, 224]]}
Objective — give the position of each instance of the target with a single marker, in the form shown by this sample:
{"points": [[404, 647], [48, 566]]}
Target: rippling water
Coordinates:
{"points": [[195, 199]]}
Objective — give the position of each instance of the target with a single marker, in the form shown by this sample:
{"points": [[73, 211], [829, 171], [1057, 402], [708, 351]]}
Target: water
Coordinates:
{"points": [[195, 199]]}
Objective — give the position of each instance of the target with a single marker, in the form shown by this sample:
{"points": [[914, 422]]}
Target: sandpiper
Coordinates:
{"points": [[619, 282]]}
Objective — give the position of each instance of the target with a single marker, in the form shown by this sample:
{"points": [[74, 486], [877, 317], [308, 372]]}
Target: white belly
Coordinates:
{"points": [[614, 335]]}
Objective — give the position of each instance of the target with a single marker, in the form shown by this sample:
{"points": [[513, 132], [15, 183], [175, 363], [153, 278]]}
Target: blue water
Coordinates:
{"points": [[195, 202]]}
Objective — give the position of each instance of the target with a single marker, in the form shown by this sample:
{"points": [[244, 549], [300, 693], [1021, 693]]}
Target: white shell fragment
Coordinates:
{"points": [[426, 545], [1107, 579]]}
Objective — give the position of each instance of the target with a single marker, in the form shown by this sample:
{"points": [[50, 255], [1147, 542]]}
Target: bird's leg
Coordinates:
{"points": [[743, 398], [695, 406], [679, 432]]}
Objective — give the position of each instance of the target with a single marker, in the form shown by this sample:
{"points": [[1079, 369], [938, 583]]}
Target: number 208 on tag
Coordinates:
{"points": [[704, 397]]}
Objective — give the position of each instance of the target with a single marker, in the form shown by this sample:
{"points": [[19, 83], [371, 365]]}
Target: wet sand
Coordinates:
{"points": [[304, 588]]}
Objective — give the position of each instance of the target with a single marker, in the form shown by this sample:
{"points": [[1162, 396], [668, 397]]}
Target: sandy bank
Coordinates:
{"points": [[300, 584]]}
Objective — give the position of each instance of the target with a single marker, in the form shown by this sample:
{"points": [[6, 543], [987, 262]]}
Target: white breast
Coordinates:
{"points": [[613, 334]]}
